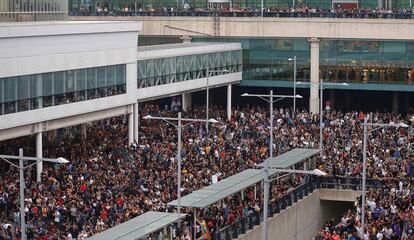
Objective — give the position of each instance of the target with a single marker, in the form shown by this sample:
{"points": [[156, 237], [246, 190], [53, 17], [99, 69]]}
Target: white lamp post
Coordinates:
{"points": [[322, 86], [269, 99], [294, 84], [208, 71], [364, 162], [179, 129], [21, 167]]}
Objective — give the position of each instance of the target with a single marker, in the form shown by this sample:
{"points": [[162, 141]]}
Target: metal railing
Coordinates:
{"points": [[275, 14], [246, 223]]}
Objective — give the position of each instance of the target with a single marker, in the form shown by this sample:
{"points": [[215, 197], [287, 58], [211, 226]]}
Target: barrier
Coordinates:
{"points": [[248, 222]]}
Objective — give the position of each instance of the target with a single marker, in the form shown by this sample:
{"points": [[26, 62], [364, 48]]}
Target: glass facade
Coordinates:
{"points": [[268, 59], [340, 60], [29, 92], [155, 72], [367, 61]]}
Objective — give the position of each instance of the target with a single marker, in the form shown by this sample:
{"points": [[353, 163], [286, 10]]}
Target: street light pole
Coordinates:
{"points": [[364, 177], [21, 168], [364, 162], [321, 86], [207, 99], [294, 84], [208, 93], [320, 118], [266, 178], [179, 127], [266, 187], [179, 164], [22, 213]]}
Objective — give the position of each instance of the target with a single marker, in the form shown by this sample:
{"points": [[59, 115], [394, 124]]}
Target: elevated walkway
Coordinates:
{"points": [[286, 27]]}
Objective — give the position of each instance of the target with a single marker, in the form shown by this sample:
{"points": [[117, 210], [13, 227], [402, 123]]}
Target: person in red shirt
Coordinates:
{"points": [[335, 236]]}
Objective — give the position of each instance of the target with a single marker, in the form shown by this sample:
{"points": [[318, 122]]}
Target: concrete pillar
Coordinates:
{"points": [[314, 75], [84, 130], [130, 128], [395, 101], [186, 101], [229, 101], [39, 154], [136, 122]]}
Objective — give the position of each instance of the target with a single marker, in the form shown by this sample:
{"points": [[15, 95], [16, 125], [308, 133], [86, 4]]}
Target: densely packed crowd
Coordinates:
{"points": [[108, 182], [274, 11]]}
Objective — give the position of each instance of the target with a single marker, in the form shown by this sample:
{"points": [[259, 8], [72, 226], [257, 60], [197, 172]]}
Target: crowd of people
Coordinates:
{"points": [[108, 182], [274, 11]]}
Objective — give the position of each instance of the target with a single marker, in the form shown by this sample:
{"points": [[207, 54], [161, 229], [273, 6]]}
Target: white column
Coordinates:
{"points": [[314, 75], [84, 130], [39, 154], [136, 122], [395, 101], [186, 101], [229, 101], [130, 128]]}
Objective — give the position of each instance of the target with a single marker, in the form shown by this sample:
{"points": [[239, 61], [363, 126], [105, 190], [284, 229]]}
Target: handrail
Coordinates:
{"points": [[275, 14], [240, 226]]}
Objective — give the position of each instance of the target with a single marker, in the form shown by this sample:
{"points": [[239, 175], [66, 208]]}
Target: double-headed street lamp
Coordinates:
{"points": [[364, 161], [179, 127], [269, 99], [21, 167], [321, 86], [294, 83], [208, 73]]}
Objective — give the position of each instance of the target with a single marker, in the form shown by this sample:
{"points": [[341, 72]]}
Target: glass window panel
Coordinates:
{"points": [[47, 84], [282, 44], [91, 78], [260, 44], [150, 68], [1, 90], [142, 73], [10, 88], [370, 47], [394, 47], [59, 80], [121, 79], [70, 81], [301, 45], [348, 46], [101, 77], [23, 84], [111, 80], [81, 79]]}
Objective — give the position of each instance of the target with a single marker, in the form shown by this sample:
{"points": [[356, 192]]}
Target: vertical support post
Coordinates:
{"points": [[266, 172], [207, 99], [84, 130], [179, 128], [136, 122], [229, 101], [130, 128], [21, 176], [261, 8], [39, 154], [294, 81], [395, 102], [186, 101], [364, 176], [314, 75], [320, 118], [195, 223]]}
